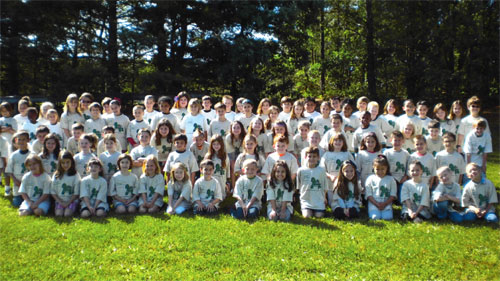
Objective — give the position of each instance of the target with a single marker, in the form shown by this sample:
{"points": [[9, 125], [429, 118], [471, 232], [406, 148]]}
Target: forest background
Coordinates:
{"points": [[434, 50]]}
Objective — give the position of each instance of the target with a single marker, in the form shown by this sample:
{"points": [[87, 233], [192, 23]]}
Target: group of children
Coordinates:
{"points": [[94, 157]]}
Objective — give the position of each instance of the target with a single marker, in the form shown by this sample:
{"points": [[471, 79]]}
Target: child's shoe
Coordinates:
{"points": [[417, 220], [7, 191]]}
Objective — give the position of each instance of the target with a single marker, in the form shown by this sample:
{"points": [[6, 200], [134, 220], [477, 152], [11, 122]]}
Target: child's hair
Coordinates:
{"points": [[249, 162], [198, 133], [437, 107], [220, 105], [57, 149], [153, 158], [287, 183], [121, 157], [335, 137], [424, 103], [115, 101], [97, 162], [181, 137], [138, 106], [282, 124], [37, 159], [7, 106], [221, 154], [480, 123], [325, 103], [108, 128], [372, 104], [144, 131], [227, 97], [474, 100], [106, 100], [294, 115], [342, 186], [388, 103], [72, 97], [312, 150], [92, 138], [269, 123], [251, 137], [337, 117], [88, 96], [433, 124], [78, 126], [239, 101], [360, 100], [32, 110], [45, 106], [262, 101], [419, 138], [252, 122], [65, 155], [24, 101], [449, 135], [171, 131], [397, 134], [179, 165], [204, 98], [310, 99], [149, 97], [408, 101], [417, 163], [472, 165], [53, 111], [363, 146], [280, 138], [21, 133], [247, 101], [451, 115], [42, 129], [110, 137], [413, 128], [165, 99], [304, 123], [382, 160], [312, 133], [286, 99], [443, 169], [178, 97], [242, 134], [348, 101], [207, 162], [193, 102], [95, 105]]}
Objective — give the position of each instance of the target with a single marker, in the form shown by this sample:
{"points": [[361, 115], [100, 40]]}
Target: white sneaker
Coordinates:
{"points": [[7, 191]]}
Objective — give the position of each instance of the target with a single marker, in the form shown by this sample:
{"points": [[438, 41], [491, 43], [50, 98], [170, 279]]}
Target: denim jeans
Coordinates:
{"points": [[489, 217], [441, 210], [253, 212]]}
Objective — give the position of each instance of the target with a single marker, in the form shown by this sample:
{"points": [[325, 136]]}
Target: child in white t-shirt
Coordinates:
{"points": [[65, 187], [119, 122], [415, 195], [426, 160], [109, 158], [50, 153], [151, 186], [179, 190], [345, 198], [95, 123], [16, 167], [434, 141], [181, 155], [135, 126], [446, 195], [162, 140], [280, 145], [479, 196], [150, 113], [35, 188], [93, 191], [312, 185], [477, 145], [248, 192], [193, 121], [140, 152], [280, 193], [380, 190], [217, 153], [450, 158], [88, 143], [207, 192], [124, 187]]}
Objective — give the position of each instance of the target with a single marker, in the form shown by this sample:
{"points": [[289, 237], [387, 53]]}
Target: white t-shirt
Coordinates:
{"points": [[124, 186], [417, 193], [398, 161], [381, 189], [142, 152], [15, 166], [350, 202], [290, 160], [312, 185], [66, 186], [94, 189], [428, 162], [246, 189], [186, 157], [280, 195], [120, 123], [35, 186], [81, 160], [109, 163], [163, 149], [177, 189], [95, 126], [455, 161], [150, 186], [477, 146], [206, 191], [133, 128], [479, 195]]}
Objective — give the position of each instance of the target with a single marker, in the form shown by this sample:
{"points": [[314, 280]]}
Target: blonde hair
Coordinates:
{"points": [[193, 102], [155, 160], [182, 166], [71, 97]]}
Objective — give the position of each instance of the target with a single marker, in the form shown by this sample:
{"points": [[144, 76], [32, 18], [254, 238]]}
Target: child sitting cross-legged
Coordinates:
{"points": [[207, 192], [446, 195], [248, 192]]}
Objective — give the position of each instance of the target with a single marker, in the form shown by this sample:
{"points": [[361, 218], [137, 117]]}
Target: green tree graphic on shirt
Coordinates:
{"points": [[97, 133], [118, 127], [350, 195], [66, 188], [32, 136], [480, 149], [222, 132], [409, 150], [454, 169], [384, 192], [392, 123], [443, 131], [210, 194], [129, 189], [199, 158], [87, 117], [426, 171], [250, 194], [183, 115], [53, 166], [111, 168], [93, 193], [259, 149], [325, 129], [339, 164], [425, 132], [483, 200], [37, 191], [434, 153], [23, 168], [164, 149], [218, 169], [151, 191], [399, 167], [417, 198], [208, 121], [149, 120], [279, 196], [315, 182]]}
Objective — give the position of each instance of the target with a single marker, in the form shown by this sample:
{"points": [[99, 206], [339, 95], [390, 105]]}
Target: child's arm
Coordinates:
{"points": [[431, 182], [420, 208], [119, 199], [145, 200], [485, 157], [132, 142], [460, 180], [251, 202], [58, 200], [40, 200], [374, 202], [153, 200], [242, 204], [468, 157], [211, 205], [404, 178], [193, 175], [73, 198], [482, 212], [16, 181], [410, 211], [273, 205], [27, 199], [131, 199], [87, 202]]}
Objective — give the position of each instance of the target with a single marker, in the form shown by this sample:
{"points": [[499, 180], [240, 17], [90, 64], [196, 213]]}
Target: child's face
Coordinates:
{"points": [[84, 103], [95, 112], [314, 139], [73, 104], [163, 130], [298, 110], [239, 106], [220, 112], [441, 114], [149, 103], [409, 108], [207, 171], [34, 167], [474, 173], [250, 145], [228, 103], [65, 164], [370, 143], [478, 131], [273, 114], [474, 109], [445, 177], [347, 110], [280, 147], [144, 138], [278, 129], [337, 144], [22, 142], [312, 159], [50, 144], [183, 102], [94, 169], [374, 111], [251, 170], [115, 108], [448, 142], [32, 116], [380, 170], [105, 132], [151, 167], [207, 104], [199, 140], [179, 174], [349, 172], [77, 134], [362, 106], [236, 128], [216, 146], [84, 144], [280, 173], [304, 131], [22, 108], [325, 110], [195, 109], [434, 132], [365, 120], [415, 171], [107, 108], [41, 136], [310, 106], [336, 124], [4, 112], [457, 110], [391, 109], [422, 110], [421, 146], [125, 164], [247, 108], [165, 107], [396, 142], [52, 118], [287, 106], [265, 107], [408, 131], [335, 104], [138, 113], [257, 126], [110, 145], [180, 145]]}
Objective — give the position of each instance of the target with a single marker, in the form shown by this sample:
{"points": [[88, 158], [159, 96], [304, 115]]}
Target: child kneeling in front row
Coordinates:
{"points": [[415, 195], [93, 191], [35, 188], [446, 195], [345, 199], [280, 193], [207, 191], [248, 192], [479, 196], [124, 187], [312, 185]]}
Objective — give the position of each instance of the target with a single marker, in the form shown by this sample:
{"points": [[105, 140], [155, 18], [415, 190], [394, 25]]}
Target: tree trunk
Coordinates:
{"points": [[370, 52], [322, 29]]}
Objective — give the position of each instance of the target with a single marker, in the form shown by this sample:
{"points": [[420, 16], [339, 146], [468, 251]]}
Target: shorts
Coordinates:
{"points": [[71, 206], [104, 206], [159, 202], [45, 205], [118, 203], [314, 210]]}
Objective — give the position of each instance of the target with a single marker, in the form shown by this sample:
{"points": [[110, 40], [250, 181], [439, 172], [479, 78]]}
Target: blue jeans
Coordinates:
{"points": [[375, 214], [17, 201], [252, 213], [489, 217], [441, 210]]}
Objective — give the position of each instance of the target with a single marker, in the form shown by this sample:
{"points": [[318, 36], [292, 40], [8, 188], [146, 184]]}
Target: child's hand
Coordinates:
{"points": [[245, 210], [17, 182], [282, 215], [381, 206], [92, 210], [211, 207], [346, 212], [200, 208]]}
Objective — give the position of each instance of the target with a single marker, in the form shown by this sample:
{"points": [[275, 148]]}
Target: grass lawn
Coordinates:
{"points": [[200, 248]]}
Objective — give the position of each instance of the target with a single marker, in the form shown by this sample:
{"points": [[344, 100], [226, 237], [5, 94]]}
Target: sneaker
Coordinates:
{"points": [[7, 191], [417, 220]]}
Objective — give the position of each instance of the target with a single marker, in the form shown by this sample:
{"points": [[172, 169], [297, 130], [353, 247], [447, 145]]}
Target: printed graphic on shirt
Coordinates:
{"points": [[454, 169], [399, 167], [480, 149], [218, 169], [384, 192], [392, 123], [483, 199], [417, 198], [118, 127], [210, 194], [250, 193], [93, 194], [315, 182], [339, 164], [129, 189], [196, 126], [151, 191], [66, 188], [279, 196], [111, 168], [37, 191], [97, 133]]}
